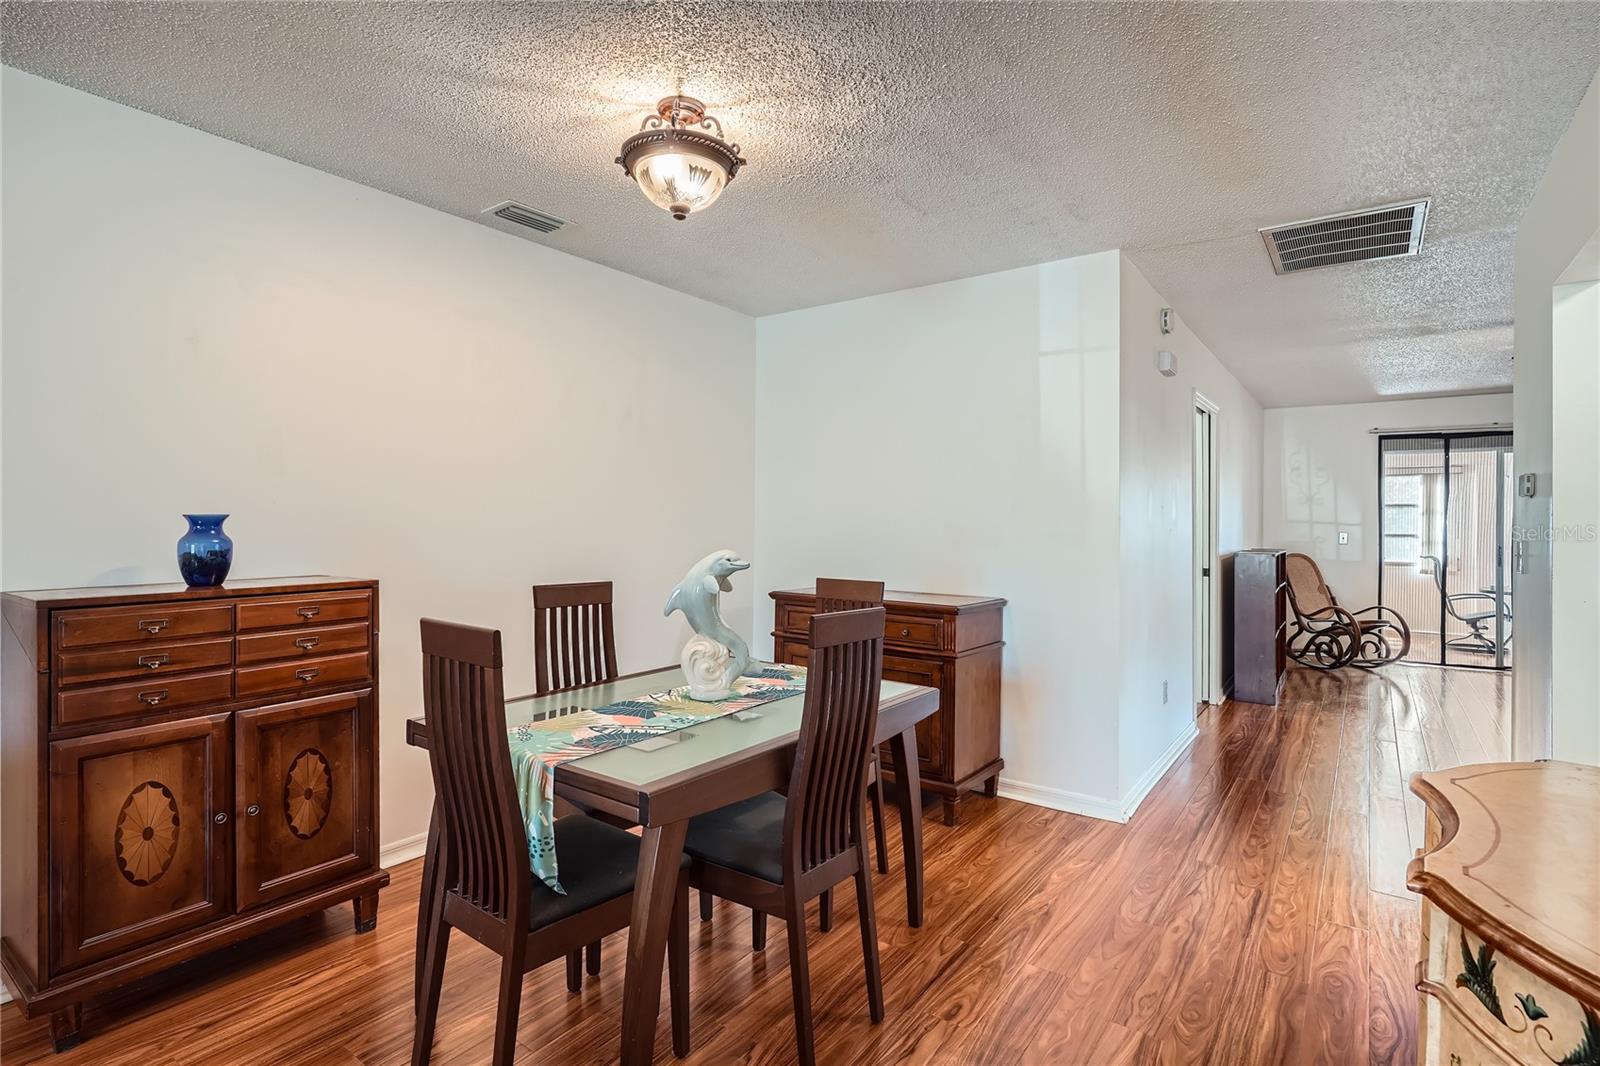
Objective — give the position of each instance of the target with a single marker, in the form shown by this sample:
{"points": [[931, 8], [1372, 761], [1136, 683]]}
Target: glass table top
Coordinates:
{"points": [[662, 756]]}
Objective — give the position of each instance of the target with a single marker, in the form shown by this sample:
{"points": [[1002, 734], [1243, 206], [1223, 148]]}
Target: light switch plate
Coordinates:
{"points": [[1527, 485]]}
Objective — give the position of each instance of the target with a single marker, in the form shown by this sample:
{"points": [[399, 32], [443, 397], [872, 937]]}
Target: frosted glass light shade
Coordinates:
{"points": [[679, 182]]}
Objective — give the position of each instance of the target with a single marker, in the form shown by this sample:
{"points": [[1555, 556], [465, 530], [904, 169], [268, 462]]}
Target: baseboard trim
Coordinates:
{"points": [[1060, 799], [1152, 776], [398, 851]]}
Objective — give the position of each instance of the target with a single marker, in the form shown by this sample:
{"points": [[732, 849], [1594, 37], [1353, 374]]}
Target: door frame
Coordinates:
{"points": [[1205, 610], [1445, 437]]}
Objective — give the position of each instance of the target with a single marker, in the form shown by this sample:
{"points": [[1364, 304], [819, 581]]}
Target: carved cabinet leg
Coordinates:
{"points": [[66, 1027], [366, 908]]}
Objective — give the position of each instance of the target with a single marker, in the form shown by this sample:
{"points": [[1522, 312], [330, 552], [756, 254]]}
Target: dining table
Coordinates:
{"points": [[661, 783]]}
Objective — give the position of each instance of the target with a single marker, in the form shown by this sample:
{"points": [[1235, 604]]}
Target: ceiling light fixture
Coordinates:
{"points": [[679, 167]]}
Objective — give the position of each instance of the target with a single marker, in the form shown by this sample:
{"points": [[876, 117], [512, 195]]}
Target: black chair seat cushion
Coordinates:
{"points": [[746, 836], [596, 863]]}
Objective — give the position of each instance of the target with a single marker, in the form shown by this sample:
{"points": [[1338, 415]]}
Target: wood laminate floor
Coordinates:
{"points": [[1253, 911]]}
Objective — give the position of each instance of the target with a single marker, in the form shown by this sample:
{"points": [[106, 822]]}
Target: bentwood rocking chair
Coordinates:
{"points": [[774, 853], [1325, 635], [488, 890]]}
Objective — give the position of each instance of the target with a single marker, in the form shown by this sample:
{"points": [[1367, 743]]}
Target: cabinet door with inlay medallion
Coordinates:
{"points": [[303, 794], [139, 840]]}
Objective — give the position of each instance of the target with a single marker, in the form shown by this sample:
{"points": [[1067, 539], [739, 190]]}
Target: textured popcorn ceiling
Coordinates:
{"points": [[894, 145]]}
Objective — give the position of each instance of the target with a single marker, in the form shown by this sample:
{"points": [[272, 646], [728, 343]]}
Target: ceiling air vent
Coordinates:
{"points": [[523, 215], [1376, 233]]}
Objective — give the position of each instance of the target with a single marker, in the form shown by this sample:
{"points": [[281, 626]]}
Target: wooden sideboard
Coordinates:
{"points": [[1260, 623], [1510, 883], [184, 768], [951, 643]]}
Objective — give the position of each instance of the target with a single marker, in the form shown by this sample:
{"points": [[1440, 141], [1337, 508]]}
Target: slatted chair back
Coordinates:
{"points": [[1306, 587], [573, 640], [840, 594], [464, 698], [828, 785]]}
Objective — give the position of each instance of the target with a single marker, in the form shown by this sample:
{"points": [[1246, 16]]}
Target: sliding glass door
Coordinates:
{"points": [[1444, 520]]}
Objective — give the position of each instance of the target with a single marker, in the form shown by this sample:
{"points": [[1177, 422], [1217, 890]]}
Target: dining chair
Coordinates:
{"points": [[841, 594], [574, 643], [774, 853], [488, 888], [833, 594]]}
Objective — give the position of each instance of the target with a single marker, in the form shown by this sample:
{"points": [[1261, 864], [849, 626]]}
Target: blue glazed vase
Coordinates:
{"points": [[205, 552]]}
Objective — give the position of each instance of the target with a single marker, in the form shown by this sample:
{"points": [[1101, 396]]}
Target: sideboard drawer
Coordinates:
{"points": [[312, 610], [302, 674], [914, 630], [142, 660], [133, 699], [83, 629], [301, 644], [795, 617], [930, 731]]}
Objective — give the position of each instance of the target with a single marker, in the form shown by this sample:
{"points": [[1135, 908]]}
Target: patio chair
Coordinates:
{"points": [[1327, 636], [1481, 623]]}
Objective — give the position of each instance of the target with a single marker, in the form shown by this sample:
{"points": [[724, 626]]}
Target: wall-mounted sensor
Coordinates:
{"points": [[1166, 320], [1167, 363]]}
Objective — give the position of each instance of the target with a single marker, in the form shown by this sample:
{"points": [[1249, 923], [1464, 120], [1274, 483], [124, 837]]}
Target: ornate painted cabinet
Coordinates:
{"points": [[183, 768], [1510, 880]]}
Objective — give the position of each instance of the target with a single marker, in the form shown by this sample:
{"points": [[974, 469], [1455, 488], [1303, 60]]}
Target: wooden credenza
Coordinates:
{"points": [[951, 643], [1509, 967], [184, 768]]}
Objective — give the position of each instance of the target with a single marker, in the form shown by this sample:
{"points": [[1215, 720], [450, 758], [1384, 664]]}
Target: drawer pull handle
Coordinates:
{"points": [[220, 817], [154, 662], [308, 642], [154, 625], [253, 810], [306, 675], [153, 697], [307, 612], [905, 631]]}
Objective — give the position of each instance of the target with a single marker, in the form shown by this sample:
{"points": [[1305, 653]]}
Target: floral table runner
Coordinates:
{"points": [[537, 748]]}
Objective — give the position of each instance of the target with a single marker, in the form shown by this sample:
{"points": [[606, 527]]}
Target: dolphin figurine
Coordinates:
{"points": [[715, 656]]}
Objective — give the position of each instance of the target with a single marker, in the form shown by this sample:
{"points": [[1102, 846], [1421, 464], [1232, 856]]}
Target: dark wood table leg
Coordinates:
{"points": [[904, 749], [655, 891], [425, 902]]}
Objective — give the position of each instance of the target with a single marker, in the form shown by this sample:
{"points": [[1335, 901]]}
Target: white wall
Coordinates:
{"points": [[1563, 215], [1157, 532], [1575, 477], [962, 438], [1321, 476], [369, 386], [970, 437]]}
